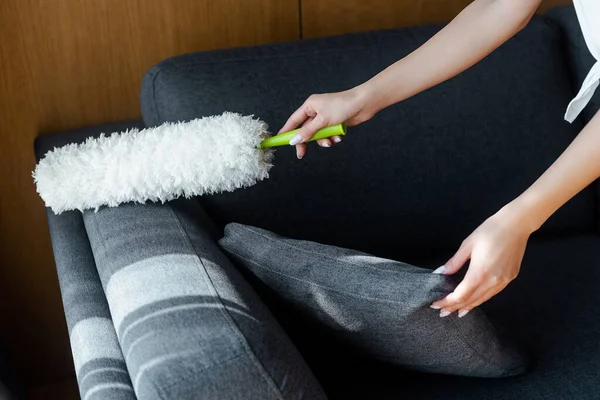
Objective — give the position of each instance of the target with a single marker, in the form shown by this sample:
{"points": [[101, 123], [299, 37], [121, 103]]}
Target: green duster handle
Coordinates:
{"points": [[284, 138]]}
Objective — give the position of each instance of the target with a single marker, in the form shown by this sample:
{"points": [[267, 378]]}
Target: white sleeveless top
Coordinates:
{"points": [[588, 13]]}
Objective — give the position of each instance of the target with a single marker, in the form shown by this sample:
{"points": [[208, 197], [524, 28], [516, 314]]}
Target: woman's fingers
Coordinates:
{"points": [[463, 291], [298, 117], [310, 122], [300, 150], [476, 302], [308, 130], [457, 261], [470, 293], [324, 142], [464, 307]]}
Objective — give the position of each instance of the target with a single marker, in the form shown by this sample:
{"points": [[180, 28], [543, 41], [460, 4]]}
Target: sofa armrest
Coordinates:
{"points": [[99, 363], [188, 323]]}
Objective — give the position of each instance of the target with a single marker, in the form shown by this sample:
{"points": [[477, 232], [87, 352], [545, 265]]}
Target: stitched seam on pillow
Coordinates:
{"points": [[240, 334], [434, 276], [444, 365], [319, 285]]}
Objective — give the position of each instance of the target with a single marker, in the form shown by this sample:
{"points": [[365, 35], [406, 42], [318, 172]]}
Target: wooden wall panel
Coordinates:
{"points": [[331, 17], [70, 63]]}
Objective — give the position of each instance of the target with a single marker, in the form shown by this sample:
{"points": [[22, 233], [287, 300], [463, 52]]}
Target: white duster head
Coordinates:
{"points": [[202, 156]]}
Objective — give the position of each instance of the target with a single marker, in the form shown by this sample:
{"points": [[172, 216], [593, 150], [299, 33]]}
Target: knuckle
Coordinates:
{"points": [[459, 298], [498, 280], [322, 120], [305, 135]]}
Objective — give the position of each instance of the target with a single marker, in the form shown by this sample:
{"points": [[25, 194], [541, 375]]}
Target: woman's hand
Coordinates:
{"points": [[478, 30], [321, 110], [496, 250]]}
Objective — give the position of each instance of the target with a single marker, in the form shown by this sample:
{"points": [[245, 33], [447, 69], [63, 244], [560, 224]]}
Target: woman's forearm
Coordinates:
{"points": [[576, 168], [478, 30]]}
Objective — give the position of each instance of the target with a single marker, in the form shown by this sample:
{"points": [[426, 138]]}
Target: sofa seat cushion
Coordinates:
{"points": [[419, 176], [552, 309]]}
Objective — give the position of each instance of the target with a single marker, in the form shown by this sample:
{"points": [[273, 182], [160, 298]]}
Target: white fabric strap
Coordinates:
{"points": [[588, 14], [590, 84]]}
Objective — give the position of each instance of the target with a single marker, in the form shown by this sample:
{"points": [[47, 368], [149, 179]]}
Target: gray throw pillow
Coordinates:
{"points": [[378, 306]]}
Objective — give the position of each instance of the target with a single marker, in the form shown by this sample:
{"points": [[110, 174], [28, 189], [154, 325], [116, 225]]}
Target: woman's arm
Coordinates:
{"points": [[479, 29], [496, 248], [575, 169]]}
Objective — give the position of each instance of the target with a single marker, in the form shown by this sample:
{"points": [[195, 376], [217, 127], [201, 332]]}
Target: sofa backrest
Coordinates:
{"points": [[419, 177]]}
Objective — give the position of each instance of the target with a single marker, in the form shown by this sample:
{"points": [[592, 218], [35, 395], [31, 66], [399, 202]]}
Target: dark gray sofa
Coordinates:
{"points": [[410, 184]]}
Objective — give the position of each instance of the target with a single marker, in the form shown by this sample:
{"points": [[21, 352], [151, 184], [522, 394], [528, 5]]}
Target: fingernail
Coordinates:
{"points": [[463, 313], [445, 313], [440, 270], [435, 307], [326, 145], [295, 140], [337, 139]]}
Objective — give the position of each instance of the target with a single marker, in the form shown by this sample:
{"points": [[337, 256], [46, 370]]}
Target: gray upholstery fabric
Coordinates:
{"points": [[416, 179], [189, 325], [379, 307], [99, 363], [551, 308]]}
